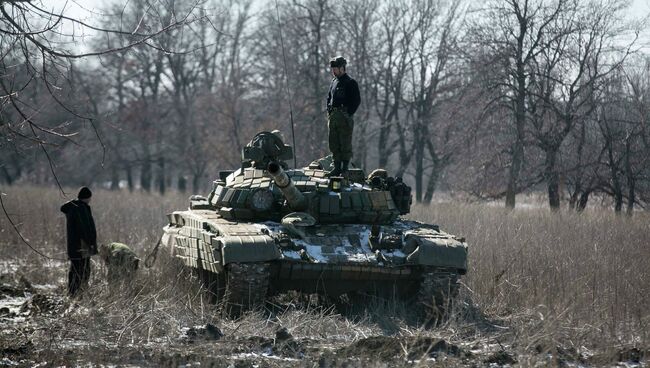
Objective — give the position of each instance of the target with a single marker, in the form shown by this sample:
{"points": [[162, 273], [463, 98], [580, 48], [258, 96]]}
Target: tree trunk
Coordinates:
{"points": [[404, 154], [631, 181], [182, 184], [435, 172], [7, 175], [631, 197], [513, 176], [618, 193], [196, 179], [577, 190], [573, 198], [617, 190], [161, 176], [552, 179], [115, 178], [618, 201], [145, 173], [129, 177], [362, 146], [419, 169], [518, 147], [582, 202], [384, 133], [432, 184]]}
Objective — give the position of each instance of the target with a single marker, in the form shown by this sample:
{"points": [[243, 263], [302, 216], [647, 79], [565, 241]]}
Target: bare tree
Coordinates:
{"points": [[584, 47], [434, 81], [388, 87], [37, 38], [511, 34], [624, 162]]}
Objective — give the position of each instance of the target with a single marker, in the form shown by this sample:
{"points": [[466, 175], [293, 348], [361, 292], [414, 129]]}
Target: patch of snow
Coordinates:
{"points": [[8, 362], [264, 355], [630, 364], [53, 263], [7, 266], [13, 304], [45, 287], [352, 253]]}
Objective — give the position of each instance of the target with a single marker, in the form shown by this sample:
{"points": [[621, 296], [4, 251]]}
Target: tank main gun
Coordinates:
{"points": [[295, 198]]}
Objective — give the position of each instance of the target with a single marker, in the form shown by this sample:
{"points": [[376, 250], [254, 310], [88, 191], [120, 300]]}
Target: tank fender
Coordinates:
{"points": [[248, 248], [438, 252]]}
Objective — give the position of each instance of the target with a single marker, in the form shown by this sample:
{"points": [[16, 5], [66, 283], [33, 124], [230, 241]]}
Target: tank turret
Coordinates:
{"points": [[264, 188]]}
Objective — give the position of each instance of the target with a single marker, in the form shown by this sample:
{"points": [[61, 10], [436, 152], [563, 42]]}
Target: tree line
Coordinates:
{"points": [[481, 101]]}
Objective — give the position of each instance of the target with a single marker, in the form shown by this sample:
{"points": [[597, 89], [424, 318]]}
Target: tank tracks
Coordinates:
{"points": [[246, 286], [436, 294]]}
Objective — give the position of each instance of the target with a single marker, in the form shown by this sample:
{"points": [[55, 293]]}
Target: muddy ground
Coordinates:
{"points": [[140, 327]]}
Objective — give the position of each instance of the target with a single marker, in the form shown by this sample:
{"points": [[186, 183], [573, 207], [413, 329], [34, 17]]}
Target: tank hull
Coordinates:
{"points": [[325, 259]]}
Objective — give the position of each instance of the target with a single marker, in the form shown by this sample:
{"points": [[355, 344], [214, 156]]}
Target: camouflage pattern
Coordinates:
{"points": [[297, 229], [120, 260], [340, 125]]}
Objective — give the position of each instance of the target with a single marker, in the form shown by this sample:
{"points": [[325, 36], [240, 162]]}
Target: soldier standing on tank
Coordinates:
{"points": [[343, 100], [81, 238]]}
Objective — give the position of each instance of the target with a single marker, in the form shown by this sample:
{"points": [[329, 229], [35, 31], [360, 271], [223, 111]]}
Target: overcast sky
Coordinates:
{"points": [[90, 11], [86, 8]]}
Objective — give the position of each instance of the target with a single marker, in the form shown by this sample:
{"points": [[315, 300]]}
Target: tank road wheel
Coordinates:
{"points": [[436, 295], [246, 287]]}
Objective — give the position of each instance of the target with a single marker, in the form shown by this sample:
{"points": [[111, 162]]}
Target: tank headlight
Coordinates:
{"points": [[335, 184], [261, 200]]}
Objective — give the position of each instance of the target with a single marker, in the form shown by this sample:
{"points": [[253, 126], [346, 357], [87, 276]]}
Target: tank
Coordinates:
{"points": [[266, 229]]}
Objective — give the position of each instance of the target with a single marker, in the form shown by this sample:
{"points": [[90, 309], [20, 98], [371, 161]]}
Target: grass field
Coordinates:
{"points": [[542, 288]]}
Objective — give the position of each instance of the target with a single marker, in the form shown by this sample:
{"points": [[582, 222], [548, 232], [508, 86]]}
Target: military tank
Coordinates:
{"points": [[266, 229]]}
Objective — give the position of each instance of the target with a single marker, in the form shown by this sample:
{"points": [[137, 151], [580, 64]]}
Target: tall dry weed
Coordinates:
{"points": [[536, 278], [557, 276], [161, 301], [131, 218]]}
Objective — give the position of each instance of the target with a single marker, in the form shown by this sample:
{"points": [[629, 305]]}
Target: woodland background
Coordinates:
{"points": [[507, 101], [478, 102]]}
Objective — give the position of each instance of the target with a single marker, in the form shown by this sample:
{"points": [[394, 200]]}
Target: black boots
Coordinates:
{"points": [[344, 167], [340, 168], [337, 169]]}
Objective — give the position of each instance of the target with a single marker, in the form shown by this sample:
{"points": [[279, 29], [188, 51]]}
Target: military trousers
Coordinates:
{"points": [[340, 126]]}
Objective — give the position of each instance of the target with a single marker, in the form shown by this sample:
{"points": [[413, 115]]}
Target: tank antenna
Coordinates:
{"points": [[286, 81]]}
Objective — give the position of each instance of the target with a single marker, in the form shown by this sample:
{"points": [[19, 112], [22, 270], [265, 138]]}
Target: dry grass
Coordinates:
{"points": [[556, 277], [537, 282]]}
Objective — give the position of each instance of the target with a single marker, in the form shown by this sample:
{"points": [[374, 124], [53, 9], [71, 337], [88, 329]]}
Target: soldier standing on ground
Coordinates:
{"points": [[343, 100], [82, 240]]}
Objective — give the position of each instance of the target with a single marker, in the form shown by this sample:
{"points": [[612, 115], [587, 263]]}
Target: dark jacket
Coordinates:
{"points": [[344, 92], [79, 225]]}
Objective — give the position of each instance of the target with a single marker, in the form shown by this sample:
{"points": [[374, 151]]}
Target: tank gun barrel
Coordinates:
{"points": [[296, 199]]}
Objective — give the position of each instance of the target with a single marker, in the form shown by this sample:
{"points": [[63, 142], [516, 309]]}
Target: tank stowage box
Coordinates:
{"points": [[266, 229]]}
